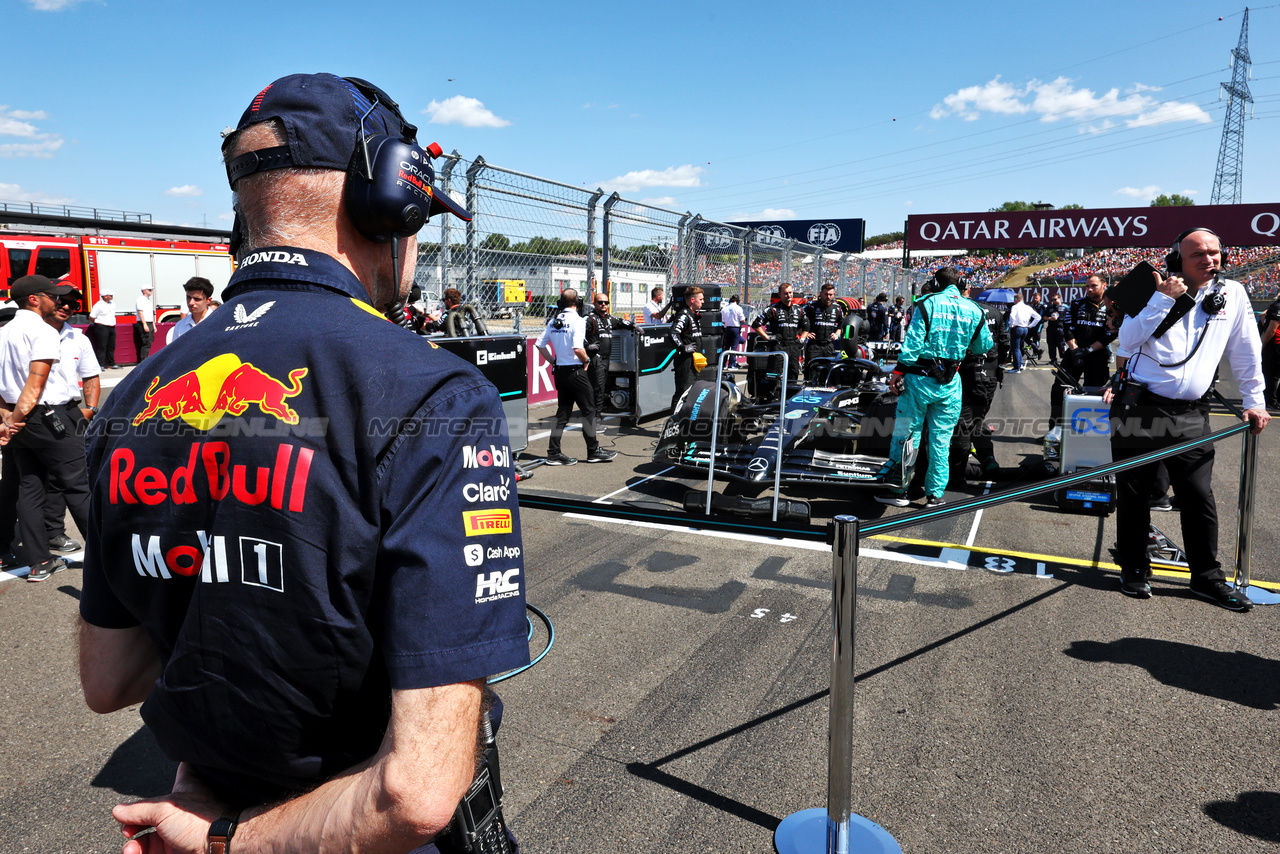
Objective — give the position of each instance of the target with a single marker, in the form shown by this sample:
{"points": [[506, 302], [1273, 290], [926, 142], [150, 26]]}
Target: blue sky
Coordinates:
{"points": [[732, 110]]}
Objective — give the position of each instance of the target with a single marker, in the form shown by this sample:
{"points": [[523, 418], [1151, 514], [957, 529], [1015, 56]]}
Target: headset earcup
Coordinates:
{"points": [[395, 201], [1173, 262]]}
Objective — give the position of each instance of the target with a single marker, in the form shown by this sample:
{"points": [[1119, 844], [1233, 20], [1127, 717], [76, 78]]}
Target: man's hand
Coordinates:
{"points": [[897, 383], [1259, 418], [1171, 287], [181, 818]]}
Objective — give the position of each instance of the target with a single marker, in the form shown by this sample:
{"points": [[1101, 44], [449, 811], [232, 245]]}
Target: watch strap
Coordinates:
{"points": [[220, 833]]}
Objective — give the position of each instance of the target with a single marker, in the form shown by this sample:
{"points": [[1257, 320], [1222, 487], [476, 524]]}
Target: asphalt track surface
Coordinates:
{"points": [[684, 706]]}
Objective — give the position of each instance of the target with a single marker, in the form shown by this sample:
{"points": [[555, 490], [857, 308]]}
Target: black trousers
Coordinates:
{"points": [[1057, 343], [43, 461], [1150, 427], [794, 351], [732, 338], [599, 375], [142, 340], [685, 375], [103, 339], [978, 385], [1270, 374], [573, 389]]}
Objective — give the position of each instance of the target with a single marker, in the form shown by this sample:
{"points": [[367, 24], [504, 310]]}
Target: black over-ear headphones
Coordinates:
{"points": [[1173, 261], [388, 192]]}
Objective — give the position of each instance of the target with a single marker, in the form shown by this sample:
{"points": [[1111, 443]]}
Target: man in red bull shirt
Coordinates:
{"points": [[304, 547]]}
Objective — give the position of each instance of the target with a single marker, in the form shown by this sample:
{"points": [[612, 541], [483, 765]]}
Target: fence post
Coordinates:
{"points": [[682, 254], [843, 280], [591, 238], [473, 173], [836, 830], [608, 248], [786, 262], [446, 250], [1244, 533], [744, 261]]}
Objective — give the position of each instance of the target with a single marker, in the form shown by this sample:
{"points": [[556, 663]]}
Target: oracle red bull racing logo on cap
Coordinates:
{"points": [[223, 385]]}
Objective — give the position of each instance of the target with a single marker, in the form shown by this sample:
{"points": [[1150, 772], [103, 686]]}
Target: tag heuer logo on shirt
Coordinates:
{"points": [[480, 523]]}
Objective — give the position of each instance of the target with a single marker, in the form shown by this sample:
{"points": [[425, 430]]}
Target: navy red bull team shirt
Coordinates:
{"points": [[305, 506]]}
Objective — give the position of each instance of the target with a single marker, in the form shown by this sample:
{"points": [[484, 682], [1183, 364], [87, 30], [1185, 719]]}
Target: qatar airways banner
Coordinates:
{"points": [[1236, 225]]}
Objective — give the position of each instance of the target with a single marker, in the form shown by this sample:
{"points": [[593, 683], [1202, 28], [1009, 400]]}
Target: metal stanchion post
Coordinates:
{"points": [[1244, 537], [836, 830]]}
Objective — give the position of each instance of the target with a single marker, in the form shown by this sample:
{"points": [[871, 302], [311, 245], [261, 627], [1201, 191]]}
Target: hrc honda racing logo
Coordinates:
{"points": [[497, 585]]}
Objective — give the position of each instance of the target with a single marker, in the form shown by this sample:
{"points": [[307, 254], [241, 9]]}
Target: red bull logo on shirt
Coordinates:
{"points": [[220, 386]]}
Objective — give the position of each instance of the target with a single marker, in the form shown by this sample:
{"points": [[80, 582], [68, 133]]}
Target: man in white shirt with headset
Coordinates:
{"points": [[1163, 401]]}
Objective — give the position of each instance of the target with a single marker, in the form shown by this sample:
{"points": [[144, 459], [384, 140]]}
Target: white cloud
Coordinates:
{"points": [[660, 202], [461, 110], [52, 5], [908, 203], [993, 97], [1190, 192], [1148, 192], [185, 191], [17, 123], [228, 216], [1059, 99], [767, 213], [15, 193], [673, 176]]}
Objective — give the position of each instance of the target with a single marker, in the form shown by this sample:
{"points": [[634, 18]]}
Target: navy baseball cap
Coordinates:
{"points": [[322, 118]]}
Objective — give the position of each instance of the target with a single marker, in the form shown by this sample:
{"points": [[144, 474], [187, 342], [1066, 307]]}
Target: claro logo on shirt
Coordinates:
{"points": [[481, 523]]}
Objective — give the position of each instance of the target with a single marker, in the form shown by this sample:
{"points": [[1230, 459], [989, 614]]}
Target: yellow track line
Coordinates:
{"points": [[1169, 571]]}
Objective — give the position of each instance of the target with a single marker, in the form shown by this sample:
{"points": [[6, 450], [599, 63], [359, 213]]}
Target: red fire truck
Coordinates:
{"points": [[124, 264]]}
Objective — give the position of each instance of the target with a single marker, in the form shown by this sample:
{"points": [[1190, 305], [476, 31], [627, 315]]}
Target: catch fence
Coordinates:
{"points": [[530, 238]]}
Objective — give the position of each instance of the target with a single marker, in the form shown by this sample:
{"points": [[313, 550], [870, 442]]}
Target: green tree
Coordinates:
{"points": [[881, 239], [1174, 200], [496, 241]]}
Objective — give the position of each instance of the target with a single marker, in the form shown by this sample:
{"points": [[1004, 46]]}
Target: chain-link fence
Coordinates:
{"points": [[530, 238]]}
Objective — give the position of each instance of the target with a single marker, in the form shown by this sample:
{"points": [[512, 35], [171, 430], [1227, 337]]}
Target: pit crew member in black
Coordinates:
{"points": [[825, 317], [563, 343], [980, 374], [303, 550], [1271, 354], [1171, 374], [1055, 319], [686, 334], [1088, 336], [599, 339], [787, 327]]}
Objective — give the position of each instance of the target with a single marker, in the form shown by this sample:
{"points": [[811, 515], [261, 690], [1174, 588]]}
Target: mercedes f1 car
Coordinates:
{"points": [[835, 429]]}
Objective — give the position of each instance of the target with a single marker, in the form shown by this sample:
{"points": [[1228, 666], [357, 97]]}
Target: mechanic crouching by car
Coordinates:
{"points": [[945, 327], [980, 374]]}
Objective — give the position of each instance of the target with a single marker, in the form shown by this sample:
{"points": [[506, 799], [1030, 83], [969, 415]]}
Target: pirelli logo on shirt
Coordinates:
{"points": [[480, 523]]}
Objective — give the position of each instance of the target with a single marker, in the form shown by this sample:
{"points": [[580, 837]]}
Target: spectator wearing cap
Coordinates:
{"points": [[39, 422], [144, 330], [199, 304], [103, 329]]}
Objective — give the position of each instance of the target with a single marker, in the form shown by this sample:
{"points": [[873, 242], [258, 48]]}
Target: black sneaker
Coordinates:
{"points": [[63, 543], [1162, 504], [1223, 594], [560, 460], [42, 571], [1133, 582], [601, 455], [934, 501]]}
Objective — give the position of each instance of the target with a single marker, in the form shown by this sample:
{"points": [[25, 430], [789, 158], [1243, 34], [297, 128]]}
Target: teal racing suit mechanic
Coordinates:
{"points": [[944, 328]]}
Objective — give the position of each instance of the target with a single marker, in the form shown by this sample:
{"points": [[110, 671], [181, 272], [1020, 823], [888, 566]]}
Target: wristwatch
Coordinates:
{"points": [[220, 833]]}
